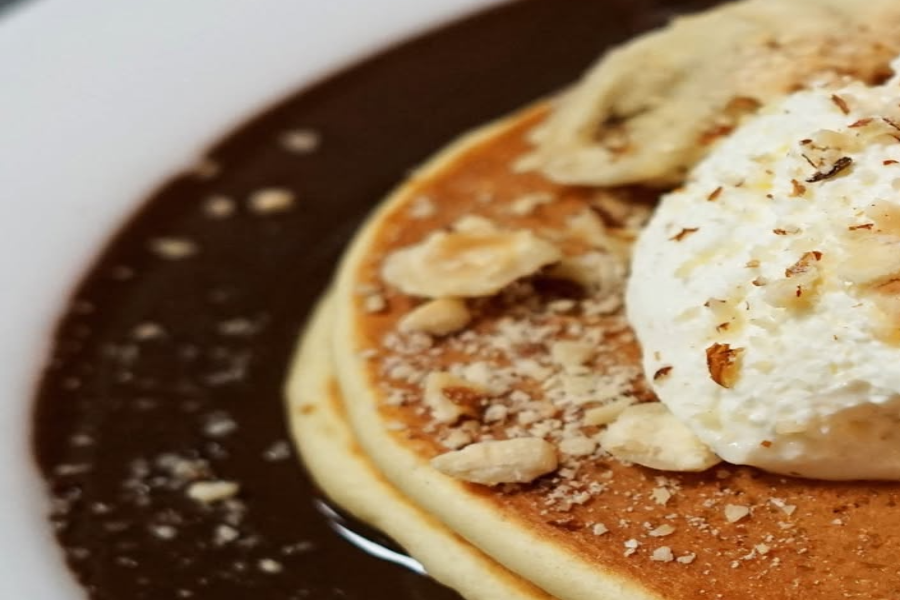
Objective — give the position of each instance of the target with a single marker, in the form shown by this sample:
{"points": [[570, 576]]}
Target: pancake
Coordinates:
{"points": [[342, 471], [595, 528]]}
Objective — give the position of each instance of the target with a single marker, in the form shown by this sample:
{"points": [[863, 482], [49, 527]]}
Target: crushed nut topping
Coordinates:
{"points": [[800, 286], [662, 373], [607, 413], [437, 317], [798, 189], [803, 265], [724, 364], [571, 354], [662, 554], [467, 263], [520, 460], [526, 204], [300, 141], [684, 233], [270, 201], [841, 164], [650, 435], [174, 248], [736, 512], [209, 492], [841, 104], [450, 397]]}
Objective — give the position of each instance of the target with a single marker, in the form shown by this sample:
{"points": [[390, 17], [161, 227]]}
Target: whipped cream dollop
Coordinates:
{"points": [[766, 291]]}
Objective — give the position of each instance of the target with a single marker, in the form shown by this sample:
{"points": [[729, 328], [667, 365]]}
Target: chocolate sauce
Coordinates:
{"points": [[168, 367]]}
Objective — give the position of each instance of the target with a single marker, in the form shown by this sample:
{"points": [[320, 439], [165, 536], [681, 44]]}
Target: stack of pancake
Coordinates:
{"points": [[454, 386]]}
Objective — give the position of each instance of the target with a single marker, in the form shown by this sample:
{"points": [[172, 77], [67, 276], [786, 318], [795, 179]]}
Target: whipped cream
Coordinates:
{"points": [[766, 291]]}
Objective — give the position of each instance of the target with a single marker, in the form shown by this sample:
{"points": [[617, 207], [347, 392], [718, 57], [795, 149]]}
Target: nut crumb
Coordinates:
{"points": [[268, 565], [225, 534], [607, 413], [662, 373], [219, 207], [374, 303], [300, 141], [278, 451], [661, 495], [571, 354], [841, 104], [164, 532], [662, 531], [210, 492], [422, 208], [662, 554], [577, 446], [437, 317], [173, 248], [684, 233], [457, 438], [270, 201], [786, 508], [724, 364], [526, 204], [148, 331], [442, 390], [736, 512]]}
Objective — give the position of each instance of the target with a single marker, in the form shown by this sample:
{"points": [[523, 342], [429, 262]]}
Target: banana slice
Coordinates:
{"points": [[651, 109]]}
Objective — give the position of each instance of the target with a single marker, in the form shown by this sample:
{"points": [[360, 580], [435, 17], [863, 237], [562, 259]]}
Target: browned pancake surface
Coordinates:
{"points": [[680, 535]]}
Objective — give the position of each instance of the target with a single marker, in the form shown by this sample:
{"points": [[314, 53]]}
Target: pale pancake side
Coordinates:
{"points": [[338, 466], [512, 541]]}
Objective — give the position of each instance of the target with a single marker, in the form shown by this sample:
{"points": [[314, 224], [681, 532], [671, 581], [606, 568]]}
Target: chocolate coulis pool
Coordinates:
{"points": [[167, 368]]}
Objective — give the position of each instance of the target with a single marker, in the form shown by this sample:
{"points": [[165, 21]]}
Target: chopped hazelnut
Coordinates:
{"points": [[437, 317], [518, 460], [442, 391], [736, 512], [467, 264], [662, 554], [607, 413], [571, 354], [724, 364], [209, 492], [650, 435]]}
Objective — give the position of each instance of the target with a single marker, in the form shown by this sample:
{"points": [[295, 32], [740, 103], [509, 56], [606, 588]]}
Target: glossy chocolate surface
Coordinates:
{"points": [[168, 368]]}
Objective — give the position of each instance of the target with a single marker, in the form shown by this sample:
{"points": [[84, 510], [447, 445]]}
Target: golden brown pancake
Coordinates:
{"points": [[335, 461], [595, 528]]}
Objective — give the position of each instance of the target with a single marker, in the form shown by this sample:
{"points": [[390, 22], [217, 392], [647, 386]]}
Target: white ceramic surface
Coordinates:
{"points": [[99, 102]]}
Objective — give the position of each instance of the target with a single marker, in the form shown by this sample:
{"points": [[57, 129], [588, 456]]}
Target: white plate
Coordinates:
{"points": [[99, 102]]}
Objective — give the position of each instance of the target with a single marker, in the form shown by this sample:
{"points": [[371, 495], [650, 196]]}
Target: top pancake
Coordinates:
{"points": [[731, 532]]}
